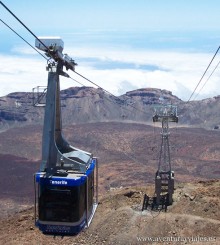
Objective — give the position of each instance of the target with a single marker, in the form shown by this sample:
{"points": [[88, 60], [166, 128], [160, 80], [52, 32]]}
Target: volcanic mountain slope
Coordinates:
{"points": [[194, 218], [87, 104], [128, 157], [128, 154], [17, 183]]}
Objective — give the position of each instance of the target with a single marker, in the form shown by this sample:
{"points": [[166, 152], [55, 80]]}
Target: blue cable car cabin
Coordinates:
{"points": [[66, 201], [66, 187]]}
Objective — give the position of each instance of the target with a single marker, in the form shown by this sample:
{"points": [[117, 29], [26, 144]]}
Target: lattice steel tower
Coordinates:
{"points": [[164, 178]]}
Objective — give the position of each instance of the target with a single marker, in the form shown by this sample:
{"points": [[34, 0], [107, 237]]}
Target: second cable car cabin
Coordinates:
{"points": [[66, 187]]}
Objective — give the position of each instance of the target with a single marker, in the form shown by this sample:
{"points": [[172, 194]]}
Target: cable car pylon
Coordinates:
{"points": [[164, 177]]}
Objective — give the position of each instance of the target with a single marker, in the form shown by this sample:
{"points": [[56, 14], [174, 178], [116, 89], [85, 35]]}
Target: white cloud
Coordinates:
{"points": [[20, 49], [20, 74], [177, 72]]}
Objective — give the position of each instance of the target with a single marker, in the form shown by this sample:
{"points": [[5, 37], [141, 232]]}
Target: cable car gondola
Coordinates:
{"points": [[66, 187]]}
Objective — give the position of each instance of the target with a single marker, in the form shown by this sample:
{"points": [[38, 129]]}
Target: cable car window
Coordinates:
{"points": [[59, 204]]}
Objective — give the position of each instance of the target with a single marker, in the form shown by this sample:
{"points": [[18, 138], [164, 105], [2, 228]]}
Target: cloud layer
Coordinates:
{"points": [[116, 70]]}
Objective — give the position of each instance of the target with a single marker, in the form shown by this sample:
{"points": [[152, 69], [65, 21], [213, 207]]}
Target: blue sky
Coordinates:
{"points": [[119, 44]]}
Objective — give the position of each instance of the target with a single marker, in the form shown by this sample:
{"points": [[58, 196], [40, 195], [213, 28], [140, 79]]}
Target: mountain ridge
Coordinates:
{"points": [[88, 104]]}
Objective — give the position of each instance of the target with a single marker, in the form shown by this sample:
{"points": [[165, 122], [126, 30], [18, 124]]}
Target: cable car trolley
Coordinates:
{"points": [[165, 112], [66, 187]]}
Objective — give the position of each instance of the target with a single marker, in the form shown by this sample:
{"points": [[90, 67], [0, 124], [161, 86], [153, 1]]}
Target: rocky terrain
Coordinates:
{"points": [[128, 153], [121, 134], [128, 158], [194, 218], [87, 104]]}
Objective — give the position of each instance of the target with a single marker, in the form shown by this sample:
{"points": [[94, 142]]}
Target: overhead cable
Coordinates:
{"points": [[23, 25], [203, 74], [23, 39], [105, 93], [96, 84], [207, 80], [66, 74], [77, 81], [117, 98]]}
